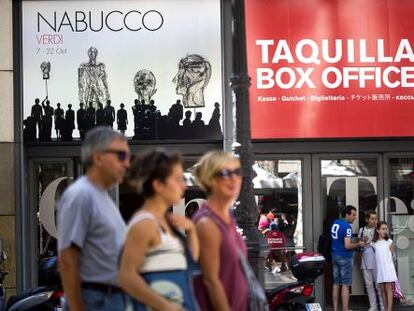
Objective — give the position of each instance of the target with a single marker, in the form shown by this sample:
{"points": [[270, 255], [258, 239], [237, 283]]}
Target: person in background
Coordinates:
{"points": [[342, 259], [270, 220], [276, 241], [386, 275], [90, 228], [223, 285], [152, 244], [368, 266], [264, 223]]}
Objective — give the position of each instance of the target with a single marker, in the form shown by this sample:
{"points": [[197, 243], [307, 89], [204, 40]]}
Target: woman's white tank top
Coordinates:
{"points": [[168, 255]]}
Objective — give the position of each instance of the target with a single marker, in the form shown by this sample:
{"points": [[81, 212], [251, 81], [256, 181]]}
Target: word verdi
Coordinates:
{"points": [[343, 52]]}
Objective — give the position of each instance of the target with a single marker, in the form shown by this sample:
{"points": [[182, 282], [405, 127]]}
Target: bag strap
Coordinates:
{"points": [[191, 263]]}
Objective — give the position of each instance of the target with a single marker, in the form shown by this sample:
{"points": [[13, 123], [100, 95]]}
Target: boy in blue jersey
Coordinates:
{"points": [[342, 247]]}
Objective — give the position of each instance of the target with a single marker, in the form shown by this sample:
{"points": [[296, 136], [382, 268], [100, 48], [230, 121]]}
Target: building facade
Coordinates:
{"points": [[8, 143], [308, 160]]}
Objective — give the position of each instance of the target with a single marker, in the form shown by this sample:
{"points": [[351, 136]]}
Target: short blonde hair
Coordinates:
{"points": [[208, 166]]}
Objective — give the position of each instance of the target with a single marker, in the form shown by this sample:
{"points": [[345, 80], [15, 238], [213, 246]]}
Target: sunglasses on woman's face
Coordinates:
{"points": [[122, 155], [227, 174]]}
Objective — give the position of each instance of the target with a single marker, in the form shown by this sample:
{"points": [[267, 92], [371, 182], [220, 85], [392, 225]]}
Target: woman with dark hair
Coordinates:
{"points": [[154, 267]]}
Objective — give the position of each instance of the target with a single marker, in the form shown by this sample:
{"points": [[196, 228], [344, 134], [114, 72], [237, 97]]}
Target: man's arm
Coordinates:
{"points": [[70, 275], [350, 245]]}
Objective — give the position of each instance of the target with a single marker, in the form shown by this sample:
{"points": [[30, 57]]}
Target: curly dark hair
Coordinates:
{"points": [[154, 164]]}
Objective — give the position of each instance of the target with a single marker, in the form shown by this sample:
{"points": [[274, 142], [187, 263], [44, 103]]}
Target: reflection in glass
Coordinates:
{"points": [[347, 182], [51, 182], [278, 189], [401, 177]]}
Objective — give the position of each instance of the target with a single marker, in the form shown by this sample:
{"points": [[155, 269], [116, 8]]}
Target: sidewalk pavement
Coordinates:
{"points": [[272, 280]]}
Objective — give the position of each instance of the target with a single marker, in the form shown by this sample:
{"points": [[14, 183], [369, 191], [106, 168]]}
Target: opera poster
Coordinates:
{"points": [[151, 69]]}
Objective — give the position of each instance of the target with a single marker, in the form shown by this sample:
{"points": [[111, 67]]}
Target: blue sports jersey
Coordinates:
{"points": [[339, 231]]}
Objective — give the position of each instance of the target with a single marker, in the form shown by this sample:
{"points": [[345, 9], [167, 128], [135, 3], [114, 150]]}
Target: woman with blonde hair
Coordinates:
{"points": [[154, 265], [223, 285]]}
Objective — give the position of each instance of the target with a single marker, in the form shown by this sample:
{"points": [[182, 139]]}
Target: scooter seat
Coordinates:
{"points": [[279, 288], [13, 299]]}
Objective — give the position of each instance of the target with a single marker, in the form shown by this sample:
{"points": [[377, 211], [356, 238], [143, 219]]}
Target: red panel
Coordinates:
{"points": [[368, 111]]}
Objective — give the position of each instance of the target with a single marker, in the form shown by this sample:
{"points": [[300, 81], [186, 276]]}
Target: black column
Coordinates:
{"points": [[246, 209]]}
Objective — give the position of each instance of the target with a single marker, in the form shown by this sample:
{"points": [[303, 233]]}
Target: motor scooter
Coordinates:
{"points": [[297, 296], [47, 296]]}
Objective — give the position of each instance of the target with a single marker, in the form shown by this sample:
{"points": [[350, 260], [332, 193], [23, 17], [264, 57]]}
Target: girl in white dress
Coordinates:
{"points": [[384, 248]]}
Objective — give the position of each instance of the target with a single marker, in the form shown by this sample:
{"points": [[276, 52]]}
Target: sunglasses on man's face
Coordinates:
{"points": [[226, 173], [121, 154]]}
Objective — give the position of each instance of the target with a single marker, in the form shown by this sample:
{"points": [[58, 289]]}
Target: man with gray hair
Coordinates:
{"points": [[90, 228]]}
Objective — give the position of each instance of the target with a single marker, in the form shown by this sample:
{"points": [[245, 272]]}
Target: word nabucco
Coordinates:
{"points": [[115, 20]]}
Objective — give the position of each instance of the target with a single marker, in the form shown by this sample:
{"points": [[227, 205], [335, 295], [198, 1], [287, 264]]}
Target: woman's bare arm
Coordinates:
{"points": [[210, 238]]}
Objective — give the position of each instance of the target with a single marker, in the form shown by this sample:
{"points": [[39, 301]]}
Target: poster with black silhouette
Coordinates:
{"points": [[142, 54]]}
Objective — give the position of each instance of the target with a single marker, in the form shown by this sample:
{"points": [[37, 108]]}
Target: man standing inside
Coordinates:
{"points": [[342, 260], [90, 228]]}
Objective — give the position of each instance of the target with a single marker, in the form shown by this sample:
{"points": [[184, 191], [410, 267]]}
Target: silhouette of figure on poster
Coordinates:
{"points": [[161, 126], [67, 125], [70, 120], [109, 114], [81, 120], [90, 116], [176, 113], [135, 111], [59, 113], [122, 119], [187, 120], [193, 76], [37, 113], [152, 106], [92, 80], [100, 115], [47, 121], [187, 126], [198, 125], [145, 85], [214, 123], [29, 129]]}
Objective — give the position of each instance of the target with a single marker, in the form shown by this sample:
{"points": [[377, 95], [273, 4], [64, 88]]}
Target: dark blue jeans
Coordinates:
{"points": [[99, 301]]}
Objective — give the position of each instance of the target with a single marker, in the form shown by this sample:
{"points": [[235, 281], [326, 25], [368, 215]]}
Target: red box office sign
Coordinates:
{"points": [[337, 68]]}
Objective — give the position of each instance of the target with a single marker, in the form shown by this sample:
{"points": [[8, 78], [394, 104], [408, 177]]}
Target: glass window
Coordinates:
{"points": [[52, 179], [401, 209], [278, 190], [347, 182]]}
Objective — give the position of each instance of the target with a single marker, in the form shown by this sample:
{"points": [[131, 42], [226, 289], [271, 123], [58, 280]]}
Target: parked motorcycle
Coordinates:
{"points": [[47, 296], [297, 296]]}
